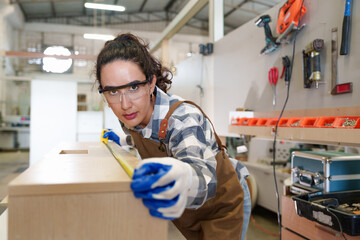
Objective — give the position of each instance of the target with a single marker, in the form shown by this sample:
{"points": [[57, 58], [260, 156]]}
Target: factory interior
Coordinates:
{"points": [[275, 83]]}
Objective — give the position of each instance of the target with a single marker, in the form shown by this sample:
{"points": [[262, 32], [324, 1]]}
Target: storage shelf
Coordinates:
{"points": [[337, 136]]}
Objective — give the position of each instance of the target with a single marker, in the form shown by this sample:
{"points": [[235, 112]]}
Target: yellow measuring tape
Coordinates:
{"points": [[125, 165]]}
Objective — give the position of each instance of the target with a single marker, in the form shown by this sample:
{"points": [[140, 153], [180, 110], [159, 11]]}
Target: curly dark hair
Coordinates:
{"points": [[128, 47]]}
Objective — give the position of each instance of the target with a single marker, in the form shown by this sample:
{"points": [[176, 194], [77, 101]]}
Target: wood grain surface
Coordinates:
{"points": [[79, 191]]}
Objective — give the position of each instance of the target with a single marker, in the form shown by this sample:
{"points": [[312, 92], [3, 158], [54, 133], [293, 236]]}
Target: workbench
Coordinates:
{"points": [[79, 191], [14, 137]]}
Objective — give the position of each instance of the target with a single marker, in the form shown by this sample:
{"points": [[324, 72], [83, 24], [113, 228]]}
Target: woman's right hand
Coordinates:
{"points": [[111, 135]]}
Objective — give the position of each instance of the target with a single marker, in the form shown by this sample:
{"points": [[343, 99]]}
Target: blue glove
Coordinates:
{"points": [[111, 135], [163, 184]]}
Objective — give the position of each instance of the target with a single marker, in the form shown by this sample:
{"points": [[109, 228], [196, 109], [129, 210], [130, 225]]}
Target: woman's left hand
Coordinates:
{"points": [[163, 184]]}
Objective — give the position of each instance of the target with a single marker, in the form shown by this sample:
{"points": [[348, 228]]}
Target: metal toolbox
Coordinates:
{"points": [[325, 171]]}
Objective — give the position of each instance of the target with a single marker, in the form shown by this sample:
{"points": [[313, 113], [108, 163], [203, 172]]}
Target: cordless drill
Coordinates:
{"points": [[271, 44], [311, 61]]}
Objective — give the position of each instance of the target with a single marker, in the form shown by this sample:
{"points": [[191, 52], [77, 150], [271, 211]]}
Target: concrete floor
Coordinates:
{"points": [[13, 163]]}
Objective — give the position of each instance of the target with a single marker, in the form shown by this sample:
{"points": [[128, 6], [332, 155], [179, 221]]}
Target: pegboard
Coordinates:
{"points": [[241, 73]]}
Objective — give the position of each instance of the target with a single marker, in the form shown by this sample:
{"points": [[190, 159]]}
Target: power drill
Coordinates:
{"points": [[271, 44], [311, 62]]}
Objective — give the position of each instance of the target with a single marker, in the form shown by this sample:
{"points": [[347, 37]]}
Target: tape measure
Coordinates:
{"points": [[124, 164]]}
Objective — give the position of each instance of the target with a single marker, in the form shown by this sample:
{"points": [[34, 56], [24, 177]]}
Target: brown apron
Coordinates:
{"points": [[220, 217]]}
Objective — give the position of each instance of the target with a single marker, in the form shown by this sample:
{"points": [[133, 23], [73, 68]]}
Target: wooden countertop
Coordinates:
{"points": [[75, 168]]}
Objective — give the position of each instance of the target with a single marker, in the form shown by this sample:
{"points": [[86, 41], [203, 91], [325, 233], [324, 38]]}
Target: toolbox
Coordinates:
{"points": [[337, 210], [325, 171]]}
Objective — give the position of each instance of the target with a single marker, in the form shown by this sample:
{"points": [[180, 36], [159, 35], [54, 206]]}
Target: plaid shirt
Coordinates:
{"points": [[190, 139]]}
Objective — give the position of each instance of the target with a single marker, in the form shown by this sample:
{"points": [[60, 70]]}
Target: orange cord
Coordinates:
{"points": [[262, 229]]}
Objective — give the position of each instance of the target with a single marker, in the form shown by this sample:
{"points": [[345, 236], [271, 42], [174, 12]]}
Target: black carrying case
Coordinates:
{"points": [[308, 206]]}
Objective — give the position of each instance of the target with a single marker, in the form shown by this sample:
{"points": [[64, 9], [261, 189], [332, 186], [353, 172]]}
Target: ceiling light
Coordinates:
{"points": [[103, 37], [55, 65], [105, 7]]}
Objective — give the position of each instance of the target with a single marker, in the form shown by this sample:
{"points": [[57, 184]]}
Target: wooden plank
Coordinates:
{"points": [[83, 217], [186, 13], [20, 54]]}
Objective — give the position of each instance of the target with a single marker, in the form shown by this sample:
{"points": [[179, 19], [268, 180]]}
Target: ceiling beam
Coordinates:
{"points": [[23, 12], [169, 5], [77, 20], [206, 22], [142, 6], [37, 1], [242, 9], [52, 6], [235, 7], [84, 8], [35, 17], [138, 16], [264, 4], [189, 11], [119, 18]]}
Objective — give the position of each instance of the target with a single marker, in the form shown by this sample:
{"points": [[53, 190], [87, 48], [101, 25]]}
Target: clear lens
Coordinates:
{"points": [[131, 92]]}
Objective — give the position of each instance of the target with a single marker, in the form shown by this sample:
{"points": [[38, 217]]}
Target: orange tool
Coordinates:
{"points": [[289, 15]]}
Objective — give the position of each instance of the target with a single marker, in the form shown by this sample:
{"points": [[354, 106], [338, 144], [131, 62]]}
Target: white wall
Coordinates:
{"points": [[89, 126], [193, 81], [182, 79], [53, 115]]}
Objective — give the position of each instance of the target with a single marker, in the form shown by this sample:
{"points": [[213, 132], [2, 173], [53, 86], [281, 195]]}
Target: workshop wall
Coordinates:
{"points": [[192, 81], [241, 73]]}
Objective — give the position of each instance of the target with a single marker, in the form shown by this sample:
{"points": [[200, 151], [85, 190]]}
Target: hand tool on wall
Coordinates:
{"points": [[336, 88], [345, 38], [273, 77], [271, 44], [311, 62], [288, 20], [286, 69], [287, 25]]}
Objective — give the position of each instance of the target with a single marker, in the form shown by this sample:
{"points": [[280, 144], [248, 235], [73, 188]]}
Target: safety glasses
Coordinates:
{"points": [[132, 91]]}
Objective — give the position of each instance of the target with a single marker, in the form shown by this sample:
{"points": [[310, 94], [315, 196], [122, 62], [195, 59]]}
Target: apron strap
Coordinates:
{"points": [[164, 122]]}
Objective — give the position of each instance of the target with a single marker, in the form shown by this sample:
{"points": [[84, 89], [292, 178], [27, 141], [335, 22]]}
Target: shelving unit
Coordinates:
{"points": [[347, 137], [333, 136]]}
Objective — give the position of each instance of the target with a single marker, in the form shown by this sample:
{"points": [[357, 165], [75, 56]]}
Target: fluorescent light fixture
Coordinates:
{"points": [[105, 6], [95, 36]]}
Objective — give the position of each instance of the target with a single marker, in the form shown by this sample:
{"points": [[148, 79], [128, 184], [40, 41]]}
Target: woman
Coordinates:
{"points": [[185, 174]]}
